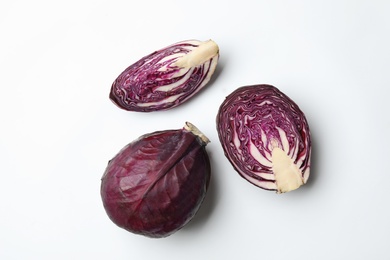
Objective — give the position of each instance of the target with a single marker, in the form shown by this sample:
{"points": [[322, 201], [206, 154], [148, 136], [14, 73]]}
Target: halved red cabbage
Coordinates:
{"points": [[266, 137], [156, 184], [166, 78]]}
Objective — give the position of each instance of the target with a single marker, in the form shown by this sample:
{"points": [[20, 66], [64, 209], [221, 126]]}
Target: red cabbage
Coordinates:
{"points": [[156, 184], [266, 137], [166, 78]]}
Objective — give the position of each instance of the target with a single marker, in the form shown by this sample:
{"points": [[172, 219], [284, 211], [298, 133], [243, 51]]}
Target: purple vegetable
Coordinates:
{"points": [[156, 184], [166, 78], [266, 137]]}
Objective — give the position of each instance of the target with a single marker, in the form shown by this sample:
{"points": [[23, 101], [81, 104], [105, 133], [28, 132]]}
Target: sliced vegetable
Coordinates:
{"points": [[156, 184], [266, 137], [166, 78]]}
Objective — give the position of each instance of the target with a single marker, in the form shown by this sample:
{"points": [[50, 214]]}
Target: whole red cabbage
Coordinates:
{"points": [[266, 137], [166, 78], [156, 184]]}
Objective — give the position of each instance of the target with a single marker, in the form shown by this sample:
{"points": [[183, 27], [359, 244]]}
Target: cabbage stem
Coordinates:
{"points": [[204, 52]]}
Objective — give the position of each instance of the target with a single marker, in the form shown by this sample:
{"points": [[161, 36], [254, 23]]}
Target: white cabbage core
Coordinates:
{"points": [[288, 176], [204, 52]]}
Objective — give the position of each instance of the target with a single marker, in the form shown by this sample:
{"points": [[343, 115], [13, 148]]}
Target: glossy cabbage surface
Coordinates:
{"points": [[166, 78], [156, 184], [258, 125]]}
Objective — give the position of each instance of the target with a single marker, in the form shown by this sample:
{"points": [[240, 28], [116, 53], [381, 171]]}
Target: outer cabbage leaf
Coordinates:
{"points": [[156, 184]]}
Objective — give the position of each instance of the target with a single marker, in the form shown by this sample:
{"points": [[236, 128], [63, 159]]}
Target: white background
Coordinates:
{"points": [[59, 129]]}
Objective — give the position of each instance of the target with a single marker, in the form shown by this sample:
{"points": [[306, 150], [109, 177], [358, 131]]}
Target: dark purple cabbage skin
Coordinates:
{"points": [[137, 84], [156, 184], [244, 112]]}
